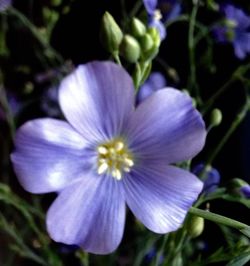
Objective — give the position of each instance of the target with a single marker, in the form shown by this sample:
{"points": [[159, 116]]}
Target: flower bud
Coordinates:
{"points": [[146, 42], [138, 29], [130, 49], [239, 187], [110, 33], [215, 117], [195, 226], [154, 33]]}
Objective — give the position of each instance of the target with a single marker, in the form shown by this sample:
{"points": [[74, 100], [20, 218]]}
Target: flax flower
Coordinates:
{"points": [[108, 155], [235, 30]]}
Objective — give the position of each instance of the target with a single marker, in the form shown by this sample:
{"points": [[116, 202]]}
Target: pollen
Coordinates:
{"points": [[157, 14], [114, 158]]}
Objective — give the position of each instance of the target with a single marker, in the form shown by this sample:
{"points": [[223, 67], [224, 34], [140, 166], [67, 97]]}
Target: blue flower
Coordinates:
{"points": [[245, 190], [155, 82], [161, 11], [108, 155], [211, 177], [235, 30], [4, 4]]}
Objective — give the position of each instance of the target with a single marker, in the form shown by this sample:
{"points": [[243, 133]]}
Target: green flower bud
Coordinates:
{"points": [[55, 2], [110, 33], [154, 33], [138, 29], [146, 42], [195, 226], [215, 117], [130, 49], [212, 5]]}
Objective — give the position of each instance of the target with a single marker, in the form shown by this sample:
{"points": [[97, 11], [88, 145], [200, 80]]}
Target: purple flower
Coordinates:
{"points": [[245, 191], [155, 82], [235, 30], [110, 154], [161, 11], [211, 177], [4, 4]]}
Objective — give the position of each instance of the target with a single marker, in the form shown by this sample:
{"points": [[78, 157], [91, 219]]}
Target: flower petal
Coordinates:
{"points": [[155, 23], [90, 214], [166, 126], [150, 6], [160, 195], [49, 155], [97, 99]]}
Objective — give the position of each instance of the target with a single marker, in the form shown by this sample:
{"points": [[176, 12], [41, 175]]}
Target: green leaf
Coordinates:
{"points": [[246, 231], [240, 260]]}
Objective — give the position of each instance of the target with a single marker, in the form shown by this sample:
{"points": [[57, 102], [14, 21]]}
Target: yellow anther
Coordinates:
{"points": [[114, 158]]}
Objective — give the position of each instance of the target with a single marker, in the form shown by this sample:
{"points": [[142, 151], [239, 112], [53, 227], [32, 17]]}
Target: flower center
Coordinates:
{"points": [[157, 14], [114, 158]]}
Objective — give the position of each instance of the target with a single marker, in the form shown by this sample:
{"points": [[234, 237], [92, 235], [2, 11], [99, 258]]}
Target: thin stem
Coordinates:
{"points": [[238, 73], [219, 219], [160, 252], [37, 34], [239, 118], [117, 58], [178, 19], [8, 112], [191, 48]]}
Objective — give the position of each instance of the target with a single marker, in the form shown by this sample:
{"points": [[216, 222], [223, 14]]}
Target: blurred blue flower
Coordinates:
{"points": [[14, 105], [161, 11], [110, 154], [235, 29], [211, 177], [245, 191], [4, 4], [155, 82]]}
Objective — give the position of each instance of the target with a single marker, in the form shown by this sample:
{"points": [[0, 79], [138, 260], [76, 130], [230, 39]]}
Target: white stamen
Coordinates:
{"points": [[157, 14], [129, 162], [102, 150], [116, 173], [119, 146], [102, 168], [126, 169]]}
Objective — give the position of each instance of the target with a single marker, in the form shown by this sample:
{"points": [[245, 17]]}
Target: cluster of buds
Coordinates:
{"points": [[137, 46]]}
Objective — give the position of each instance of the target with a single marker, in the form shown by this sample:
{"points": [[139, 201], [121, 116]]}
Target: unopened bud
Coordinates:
{"points": [[155, 35], [195, 226], [239, 187], [130, 49], [138, 29], [146, 42], [110, 33], [215, 117]]}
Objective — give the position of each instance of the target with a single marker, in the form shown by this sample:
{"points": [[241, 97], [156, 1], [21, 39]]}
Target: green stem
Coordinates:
{"points": [[191, 48], [178, 19], [8, 112], [244, 228], [160, 252], [37, 34], [117, 58], [239, 118], [238, 73]]}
